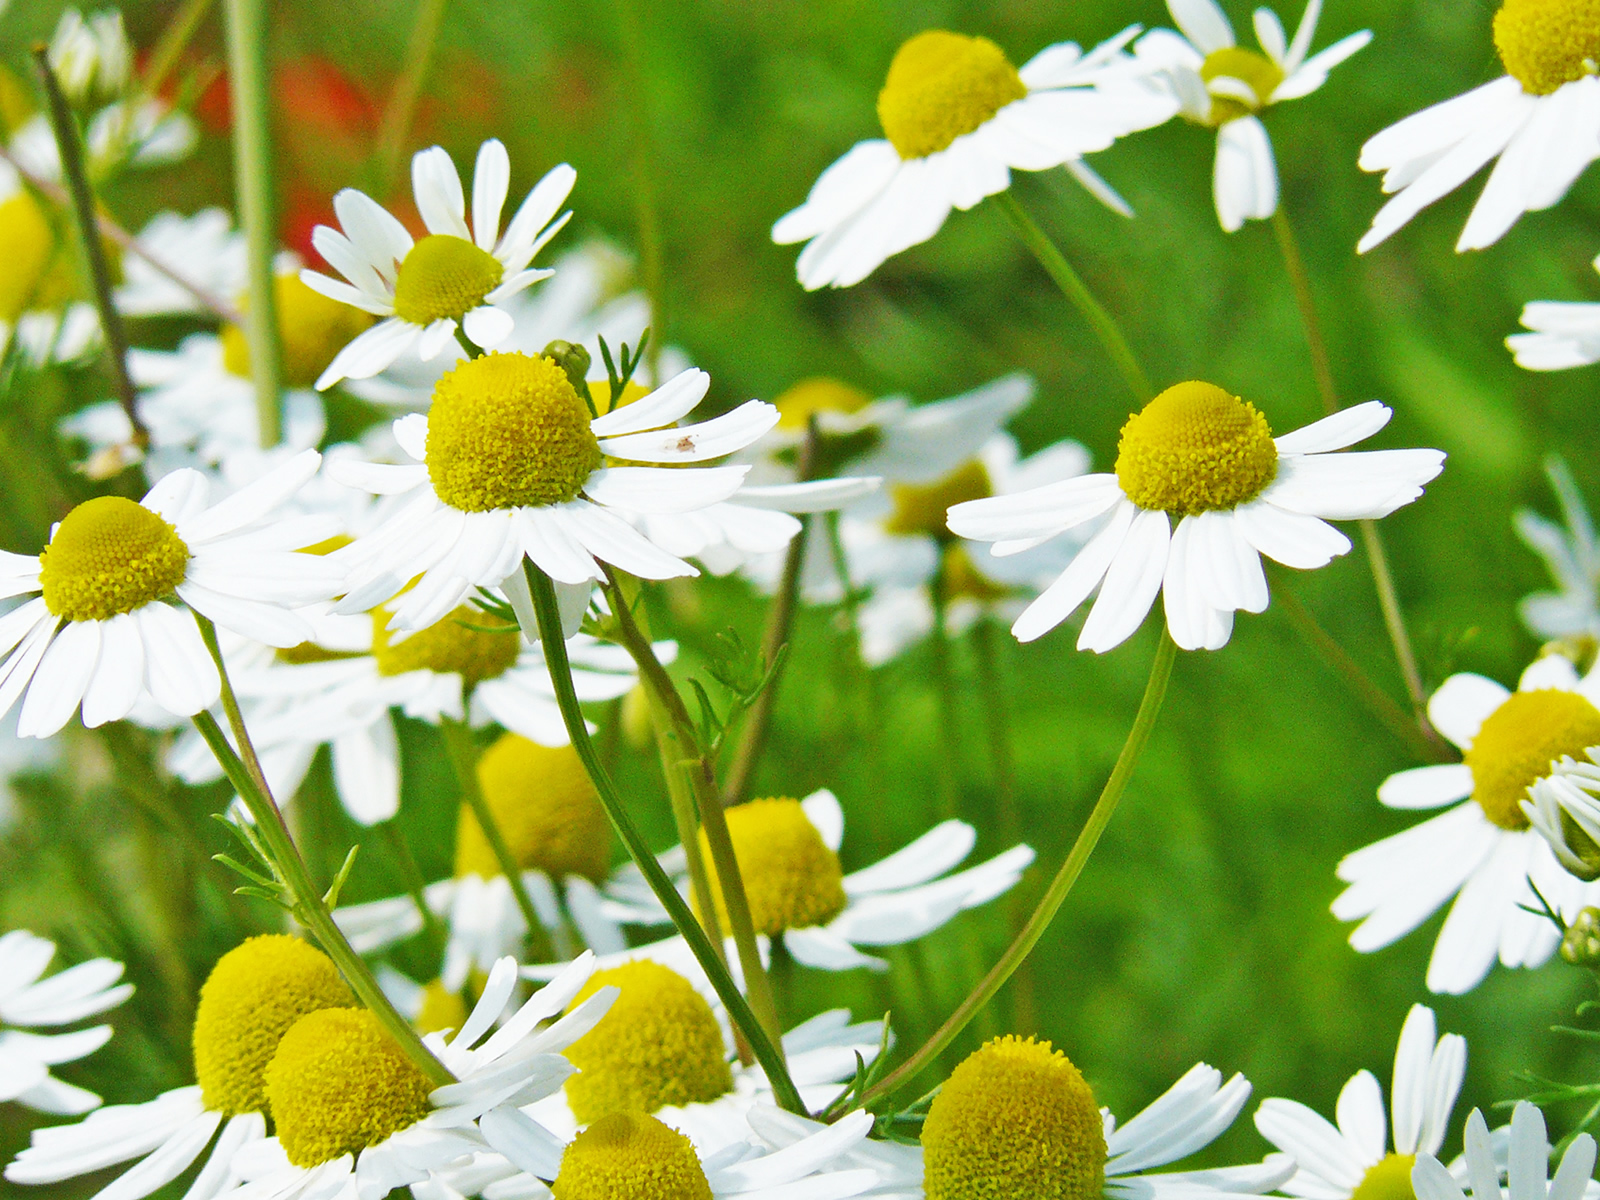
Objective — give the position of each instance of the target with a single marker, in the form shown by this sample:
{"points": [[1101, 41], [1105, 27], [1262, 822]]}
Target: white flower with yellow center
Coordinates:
{"points": [[1482, 848], [455, 277], [957, 119], [29, 1002], [1352, 1161], [1563, 334], [510, 464], [1207, 460], [1222, 85], [1541, 120], [102, 631], [1528, 1159], [787, 852], [253, 995]]}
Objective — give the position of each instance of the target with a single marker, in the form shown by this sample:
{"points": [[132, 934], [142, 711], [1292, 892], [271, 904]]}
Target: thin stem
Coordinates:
{"points": [[1050, 903], [70, 145], [416, 886], [174, 41], [646, 211], [230, 707], [1382, 578], [463, 752], [1073, 287], [548, 614], [252, 181], [395, 126], [945, 685]]}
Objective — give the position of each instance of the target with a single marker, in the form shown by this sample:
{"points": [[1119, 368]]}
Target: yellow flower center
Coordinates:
{"points": [[444, 276], [110, 556], [1195, 448], [441, 1009], [818, 394], [546, 808], [1547, 43], [1518, 742], [507, 430], [1387, 1179], [791, 878], [631, 1156], [921, 508], [38, 274], [961, 578], [1257, 70], [338, 1084], [942, 85], [465, 643], [600, 393], [1015, 1121], [253, 995], [659, 1045], [312, 329]]}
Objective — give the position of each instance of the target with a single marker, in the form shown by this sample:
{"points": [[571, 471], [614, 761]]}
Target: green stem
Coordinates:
{"points": [[1073, 287], [416, 886], [70, 145], [767, 1052], [174, 41], [463, 752], [1050, 903], [945, 685], [395, 126], [252, 181]]}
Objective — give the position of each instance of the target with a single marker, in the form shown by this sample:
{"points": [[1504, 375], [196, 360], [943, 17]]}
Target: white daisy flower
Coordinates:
{"points": [[101, 632], [29, 1002], [1571, 553], [1564, 334], [787, 852], [91, 59], [1564, 808], [1208, 459], [1336, 1163], [509, 463], [1528, 1160], [1483, 847], [1541, 120], [204, 248], [957, 119], [1016, 1118], [251, 998], [454, 277], [1222, 85]]}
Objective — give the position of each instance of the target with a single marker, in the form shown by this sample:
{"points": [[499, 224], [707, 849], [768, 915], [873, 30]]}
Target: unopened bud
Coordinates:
{"points": [[573, 359], [1581, 944]]}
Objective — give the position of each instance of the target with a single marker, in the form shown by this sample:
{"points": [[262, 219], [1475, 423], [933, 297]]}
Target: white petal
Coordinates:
{"points": [[1344, 428], [1203, 23], [437, 188], [119, 676], [1360, 1116], [490, 180], [1461, 705], [178, 671], [372, 351], [1130, 585], [1086, 571], [488, 326], [1245, 178], [1426, 787], [666, 404], [60, 679]]}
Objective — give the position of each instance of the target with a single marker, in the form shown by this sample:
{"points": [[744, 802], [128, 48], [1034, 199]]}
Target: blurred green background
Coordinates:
{"points": [[1201, 928]]}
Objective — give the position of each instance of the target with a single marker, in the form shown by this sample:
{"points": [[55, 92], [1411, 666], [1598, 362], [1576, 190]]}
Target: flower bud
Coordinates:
{"points": [[571, 358], [1581, 944]]}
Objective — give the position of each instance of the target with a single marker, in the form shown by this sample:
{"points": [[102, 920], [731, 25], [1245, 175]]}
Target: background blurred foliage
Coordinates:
{"points": [[1201, 929]]}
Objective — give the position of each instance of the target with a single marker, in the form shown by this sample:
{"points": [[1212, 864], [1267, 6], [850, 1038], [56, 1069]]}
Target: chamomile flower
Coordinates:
{"points": [[1528, 1158], [1354, 1158], [509, 463], [29, 1002], [787, 852], [1571, 553], [101, 631], [1017, 1119], [1482, 850], [204, 249], [1207, 460], [1562, 334], [958, 118], [1541, 120], [454, 277], [1222, 85], [253, 995], [40, 297]]}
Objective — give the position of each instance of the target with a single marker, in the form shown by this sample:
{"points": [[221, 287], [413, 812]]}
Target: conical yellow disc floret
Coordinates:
{"points": [[921, 508], [312, 329], [1195, 448], [631, 1156], [507, 430], [547, 810], [444, 277], [1387, 1179], [1547, 43], [818, 394], [253, 995], [660, 1044], [1015, 1121], [791, 878], [1257, 70], [110, 556], [942, 85], [465, 643], [1517, 743], [338, 1084]]}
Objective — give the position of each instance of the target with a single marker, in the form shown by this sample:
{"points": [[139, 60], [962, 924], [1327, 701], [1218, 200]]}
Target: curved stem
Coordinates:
{"points": [[1073, 287], [548, 616], [1155, 691]]}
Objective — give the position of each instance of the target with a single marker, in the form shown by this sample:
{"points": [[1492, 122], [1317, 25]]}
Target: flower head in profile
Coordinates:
{"points": [[1571, 553], [1528, 1157], [957, 118], [1223, 85], [1200, 492], [1562, 334], [1482, 850], [455, 277], [1540, 120], [1354, 1158]]}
